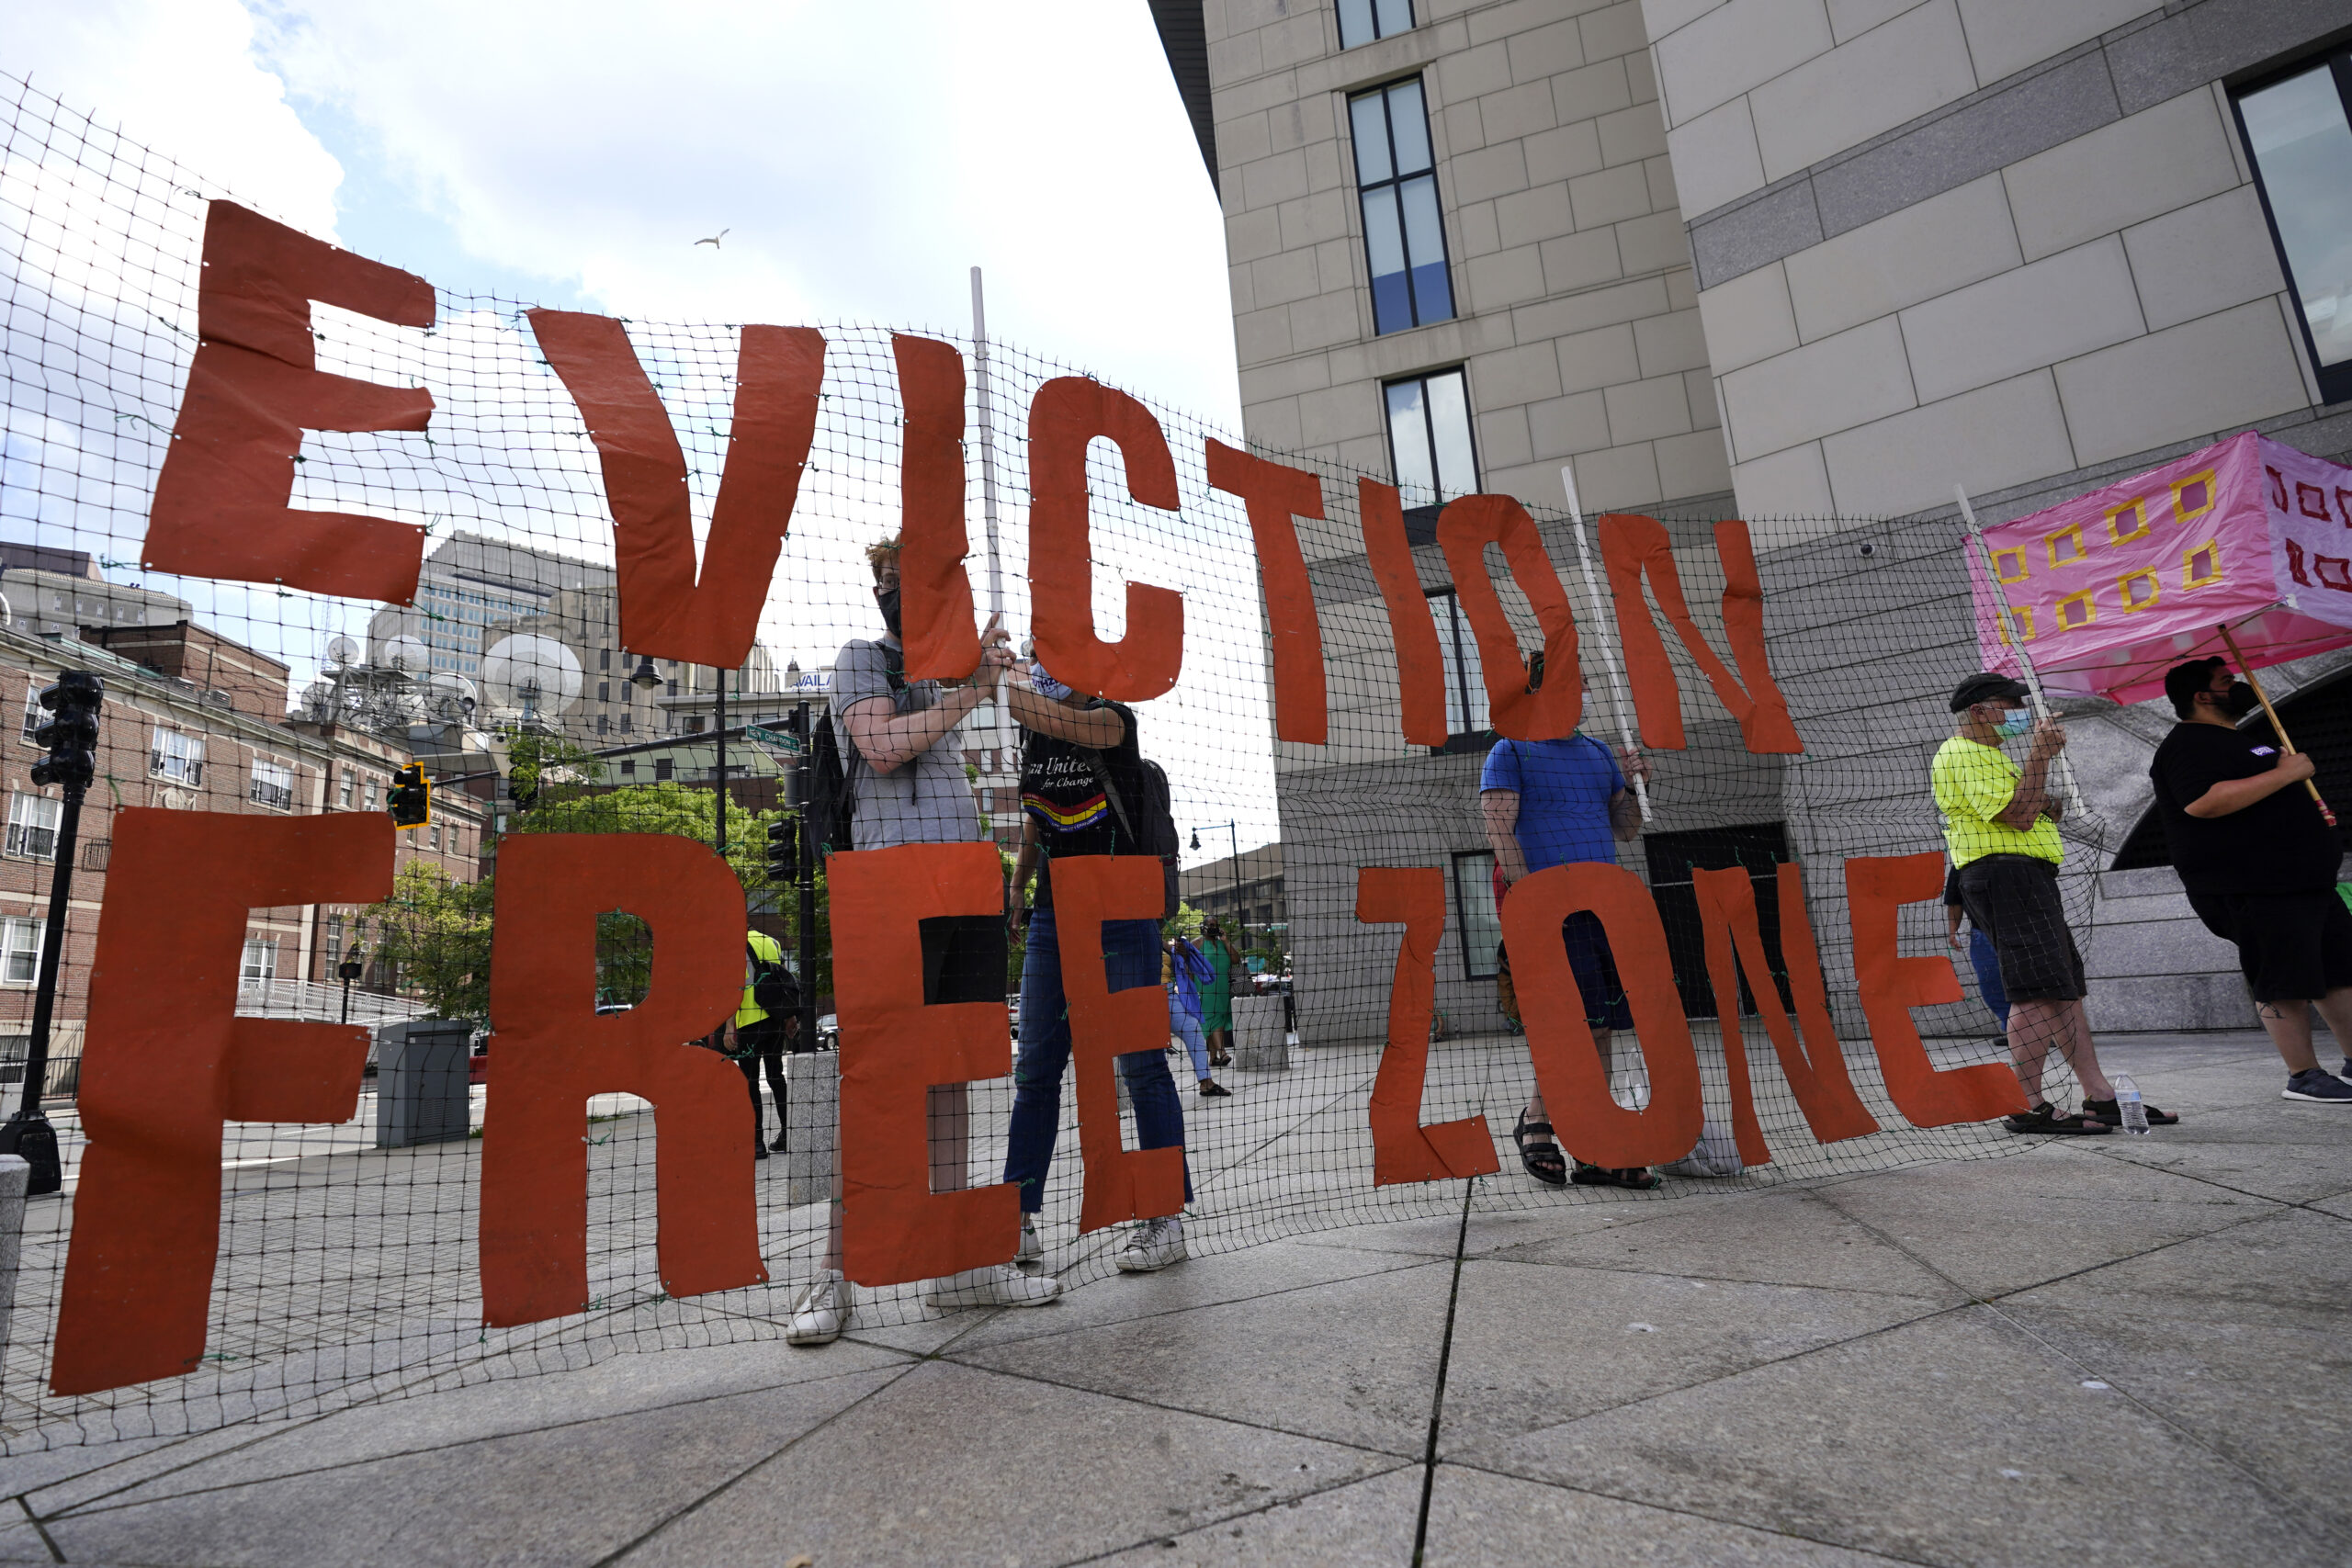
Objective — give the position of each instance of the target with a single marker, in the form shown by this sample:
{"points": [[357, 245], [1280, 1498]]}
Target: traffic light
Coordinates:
{"points": [[783, 850], [411, 802], [71, 735]]}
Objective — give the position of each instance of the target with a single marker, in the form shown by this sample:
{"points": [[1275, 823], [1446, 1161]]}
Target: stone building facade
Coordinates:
{"points": [[1811, 263]]}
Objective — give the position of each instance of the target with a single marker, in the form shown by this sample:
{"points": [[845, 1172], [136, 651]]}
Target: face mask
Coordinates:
{"points": [[2240, 700], [888, 599], [2014, 724], [1044, 685]]}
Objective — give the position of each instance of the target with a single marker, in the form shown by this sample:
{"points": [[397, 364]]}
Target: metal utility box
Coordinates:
{"points": [[421, 1088]]}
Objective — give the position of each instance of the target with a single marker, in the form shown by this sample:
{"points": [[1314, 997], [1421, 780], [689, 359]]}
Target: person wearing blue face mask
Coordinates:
{"points": [[2001, 823]]}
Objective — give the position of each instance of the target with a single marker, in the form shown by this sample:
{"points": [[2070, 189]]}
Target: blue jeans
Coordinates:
{"points": [[1987, 964], [1188, 1029], [1130, 959]]}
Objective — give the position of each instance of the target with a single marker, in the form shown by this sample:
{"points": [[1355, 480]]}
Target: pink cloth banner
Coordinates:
{"points": [[2112, 589]]}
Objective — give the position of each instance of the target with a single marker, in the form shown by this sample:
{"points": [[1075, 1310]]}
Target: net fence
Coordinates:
{"points": [[349, 1261]]}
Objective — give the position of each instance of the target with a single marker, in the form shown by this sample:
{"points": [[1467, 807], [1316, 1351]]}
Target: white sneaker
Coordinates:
{"points": [[822, 1313], [999, 1285], [1032, 1248], [1155, 1243]]}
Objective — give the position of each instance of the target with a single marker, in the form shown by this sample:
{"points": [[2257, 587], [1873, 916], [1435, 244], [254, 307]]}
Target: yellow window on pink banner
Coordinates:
{"points": [[2076, 610], [2023, 616], [2072, 536], [2010, 565], [2200, 567], [2129, 521], [2131, 594], [2193, 496]]}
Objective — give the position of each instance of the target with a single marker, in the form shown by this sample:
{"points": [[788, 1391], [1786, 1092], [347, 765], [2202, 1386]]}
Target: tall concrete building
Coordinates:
{"points": [[1810, 261]]}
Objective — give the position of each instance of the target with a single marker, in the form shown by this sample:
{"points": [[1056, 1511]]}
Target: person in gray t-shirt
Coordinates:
{"points": [[905, 776]]}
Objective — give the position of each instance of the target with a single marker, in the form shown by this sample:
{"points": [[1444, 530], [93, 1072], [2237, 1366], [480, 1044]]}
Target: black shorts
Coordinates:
{"points": [[963, 959], [2294, 947], [2014, 900]]}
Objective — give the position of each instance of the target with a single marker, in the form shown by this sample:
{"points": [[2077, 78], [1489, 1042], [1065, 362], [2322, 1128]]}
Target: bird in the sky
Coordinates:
{"points": [[713, 241]]}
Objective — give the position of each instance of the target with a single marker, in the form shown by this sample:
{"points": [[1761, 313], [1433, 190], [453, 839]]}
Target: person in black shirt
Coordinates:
{"points": [[2259, 864], [1081, 784]]}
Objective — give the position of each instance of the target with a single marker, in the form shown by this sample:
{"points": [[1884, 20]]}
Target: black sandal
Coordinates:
{"points": [[2043, 1119], [1544, 1162], [2111, 1113], [1634, 1178]]}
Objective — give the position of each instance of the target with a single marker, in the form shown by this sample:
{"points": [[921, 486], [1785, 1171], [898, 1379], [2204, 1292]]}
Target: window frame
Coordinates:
{"points": [[1372, 10], [267, 947], [162, 751], [2335, 380], [35, 715], [1461, 913], [1420, 522], [253, 784], [1455, 628], [19, 829], [1395, 181], [11, 926]]}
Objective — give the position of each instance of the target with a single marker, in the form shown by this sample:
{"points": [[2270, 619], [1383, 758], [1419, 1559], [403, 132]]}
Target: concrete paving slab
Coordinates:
{"points": [[1363, 1522], [2276, 1148], [1284, 1362], [2290, 1268], [571, 1494], [2055, 1211], [1011, 1470], [1954, 1441], [1537, 1343], [1478, 1518], [23, 1543], [1262, 1273], [1776, 1237]]}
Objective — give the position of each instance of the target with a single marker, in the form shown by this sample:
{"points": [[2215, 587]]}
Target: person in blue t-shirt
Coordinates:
{"points": [[1548, 802]]}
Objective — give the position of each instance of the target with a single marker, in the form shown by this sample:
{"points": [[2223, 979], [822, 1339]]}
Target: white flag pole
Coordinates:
{"points": [[2064, 768], [1608, 646]]}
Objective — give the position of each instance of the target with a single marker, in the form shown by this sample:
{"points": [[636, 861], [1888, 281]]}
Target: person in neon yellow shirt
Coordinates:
{"points": [[2001, 824]]}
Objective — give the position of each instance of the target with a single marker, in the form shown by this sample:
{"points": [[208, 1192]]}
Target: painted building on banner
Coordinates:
{"points": [[1803, 261]]}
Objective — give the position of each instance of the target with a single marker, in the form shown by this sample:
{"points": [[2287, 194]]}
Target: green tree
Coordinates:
{"points": [[435, 935]]}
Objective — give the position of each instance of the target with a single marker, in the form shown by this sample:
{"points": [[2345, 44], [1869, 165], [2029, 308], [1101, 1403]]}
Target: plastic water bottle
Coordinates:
{"points": [[2127, 1101]]}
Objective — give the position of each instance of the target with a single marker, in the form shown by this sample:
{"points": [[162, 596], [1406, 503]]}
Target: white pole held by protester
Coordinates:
{"points": [[1607, 647], [2064, 768]]}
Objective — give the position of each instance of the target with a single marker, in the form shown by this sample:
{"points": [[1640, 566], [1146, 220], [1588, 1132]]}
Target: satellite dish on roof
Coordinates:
{"points": [[450, 697], [534, 674], [341, 650], [407, 654]]}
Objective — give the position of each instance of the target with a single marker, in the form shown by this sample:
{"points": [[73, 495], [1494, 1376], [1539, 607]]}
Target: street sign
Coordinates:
{"points": [[775, 737]]}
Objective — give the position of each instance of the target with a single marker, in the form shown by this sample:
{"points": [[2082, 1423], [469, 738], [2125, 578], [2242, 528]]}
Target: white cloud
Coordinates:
{"points": [[179, 77]]}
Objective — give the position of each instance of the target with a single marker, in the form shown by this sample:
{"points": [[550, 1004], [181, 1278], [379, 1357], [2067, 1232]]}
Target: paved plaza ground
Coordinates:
{"points": [[2100, 1351]]}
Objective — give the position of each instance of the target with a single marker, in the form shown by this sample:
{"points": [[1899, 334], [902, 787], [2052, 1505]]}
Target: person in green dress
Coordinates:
{"points": [[1216, 997]]}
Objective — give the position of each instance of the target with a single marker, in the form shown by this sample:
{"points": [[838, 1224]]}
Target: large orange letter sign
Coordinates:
{"points": [[167, 1064], [894, 1227], [553, 1051], [1068, 412], [1402, 1149], [1420, 663], [664, 610], [220, 500], [936, 596], [1121, 1184], [1634, 547], [1568, 1066], [1824, 1093], [1877, 887], [1273, 495], [1464, 529]]}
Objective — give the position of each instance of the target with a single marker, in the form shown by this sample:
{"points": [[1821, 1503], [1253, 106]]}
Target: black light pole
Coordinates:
{"points": [[72, 739], [1233, 836], [722, 760], [807, 856]]}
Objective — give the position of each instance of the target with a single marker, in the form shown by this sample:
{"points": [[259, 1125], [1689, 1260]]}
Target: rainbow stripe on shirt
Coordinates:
{"points": [[1064, 818]]}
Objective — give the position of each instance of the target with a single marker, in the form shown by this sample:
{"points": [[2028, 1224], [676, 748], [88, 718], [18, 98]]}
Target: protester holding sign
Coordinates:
{"points": [[2259, 864], [907, 786], [2001, 824]]}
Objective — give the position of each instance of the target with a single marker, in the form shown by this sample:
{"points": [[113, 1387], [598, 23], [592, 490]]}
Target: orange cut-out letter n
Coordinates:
{"points": [[553, 1051], [1634, 547], [167, 1061]]}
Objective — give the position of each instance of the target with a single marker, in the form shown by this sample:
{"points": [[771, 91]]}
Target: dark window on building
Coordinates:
{"points": [[605, 659], [1757, 847], [1429, 447], [1465, 680], [1361, 21], [629, 770], [604, 691], [2298, 128], [662, 768], [1403, 238], [603, 725], [1475, 914]]}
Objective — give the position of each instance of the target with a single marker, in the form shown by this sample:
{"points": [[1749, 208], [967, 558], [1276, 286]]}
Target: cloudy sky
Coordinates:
{"points": [[860, 159]]}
